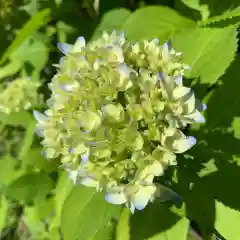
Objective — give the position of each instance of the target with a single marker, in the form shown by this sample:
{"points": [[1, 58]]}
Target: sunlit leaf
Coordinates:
{"points": [[37, 21], [209, 51], [123, 226], [112, 20], [84, 213], [23, 119], [227, 221], [4, 207], [154, 21]]}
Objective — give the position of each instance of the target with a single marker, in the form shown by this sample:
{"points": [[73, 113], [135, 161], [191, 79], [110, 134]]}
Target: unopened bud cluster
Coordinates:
{"points": [[116, 113], [20, 94]]}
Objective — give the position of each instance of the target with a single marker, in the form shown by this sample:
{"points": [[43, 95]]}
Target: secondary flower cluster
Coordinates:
{"points": [[20, 94], [115, 115]]}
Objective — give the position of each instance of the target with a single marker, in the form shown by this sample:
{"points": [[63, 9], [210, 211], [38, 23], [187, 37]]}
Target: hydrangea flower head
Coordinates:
{"points": [[116, 113], [20, 94]]}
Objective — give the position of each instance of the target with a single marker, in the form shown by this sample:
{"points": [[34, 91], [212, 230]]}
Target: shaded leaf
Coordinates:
{"points": [[233, 13], [178, 231], [196, 5], [30, 187], [154, 220], [10, 69], [34, 158]]}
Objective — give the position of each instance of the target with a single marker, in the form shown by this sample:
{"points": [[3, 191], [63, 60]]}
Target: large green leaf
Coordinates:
{"points": [[8, 166], [209, 51], [11, 68], [231, 14], [35, 22], [34, 158], [154, 221], [178, 231], [154, 21], [36, 54], [4, 208], [123, 226], [84, 213], [227, 221], [30, 187], [28, 139], [23, 119], [196, 5], [112, 20]]}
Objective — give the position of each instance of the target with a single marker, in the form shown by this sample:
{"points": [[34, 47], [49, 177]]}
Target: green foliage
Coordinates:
{"points": [[209, 51], [123, 228], [85, 213], [37, 21], [112, 20], [224, 216], [30, 187], [151, 22], [38, 199]]}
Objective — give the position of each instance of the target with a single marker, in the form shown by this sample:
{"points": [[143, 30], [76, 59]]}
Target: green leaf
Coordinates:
{"points": [[11, 68], [28, 139], [112, 20], [231, 14], [62, 190], [34, 158], [227, 221], [23, 119], [37, 21], [36, 54], [30, 187], [208, 51], [104, 233], [154, 21], [123, 226], [8, 166], [156, 220], [202, 8], [84, 213], [4, 206], [178, 231]]}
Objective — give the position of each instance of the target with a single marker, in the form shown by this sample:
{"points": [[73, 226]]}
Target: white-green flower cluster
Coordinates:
{"points": [[115, 115], [20, 94]]}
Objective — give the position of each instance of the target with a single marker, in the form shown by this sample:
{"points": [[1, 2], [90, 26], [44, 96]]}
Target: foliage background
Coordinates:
{"points": [[37, 201]]}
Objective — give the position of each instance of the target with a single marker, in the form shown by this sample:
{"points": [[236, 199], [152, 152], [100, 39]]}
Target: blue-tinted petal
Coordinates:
{"points": [[184, 144], [179, 80], [89, 182], [196, 116], [73, 174], [116, 198], [64, 47], [85, 157], [41, 118], [80, 43], [204, 106]]}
